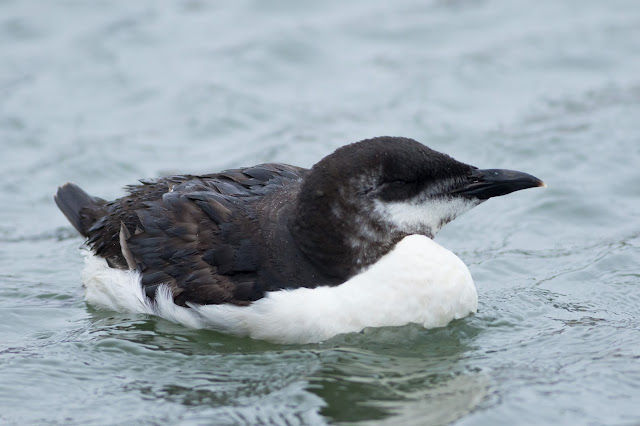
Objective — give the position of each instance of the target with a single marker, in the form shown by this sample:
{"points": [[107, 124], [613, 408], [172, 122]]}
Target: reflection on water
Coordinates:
{"points": [[441, 403], [370, 375], [104, 93], [359, 376]]}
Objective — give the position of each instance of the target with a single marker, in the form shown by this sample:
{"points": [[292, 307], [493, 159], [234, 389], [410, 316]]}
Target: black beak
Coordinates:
{"points": [[484, 184]]}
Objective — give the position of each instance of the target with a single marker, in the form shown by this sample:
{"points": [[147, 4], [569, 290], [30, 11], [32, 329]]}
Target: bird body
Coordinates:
{"points": [[287, 254], [418, 282]]}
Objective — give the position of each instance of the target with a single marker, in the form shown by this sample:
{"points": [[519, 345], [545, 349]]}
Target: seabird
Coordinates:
{"points": [[288, 254]]}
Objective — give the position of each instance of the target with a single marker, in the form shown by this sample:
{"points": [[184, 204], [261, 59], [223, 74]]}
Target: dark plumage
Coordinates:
{"points": [[232, 236], [195, 233]]}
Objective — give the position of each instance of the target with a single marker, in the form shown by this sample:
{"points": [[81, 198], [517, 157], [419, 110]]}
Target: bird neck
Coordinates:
{"points": [[339, 236]]}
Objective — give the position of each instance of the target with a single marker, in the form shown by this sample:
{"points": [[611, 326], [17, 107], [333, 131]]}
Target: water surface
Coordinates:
{"points": [[105, 92]]}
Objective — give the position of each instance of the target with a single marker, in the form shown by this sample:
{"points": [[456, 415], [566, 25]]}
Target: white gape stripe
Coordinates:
{"points": [[418, 282]]}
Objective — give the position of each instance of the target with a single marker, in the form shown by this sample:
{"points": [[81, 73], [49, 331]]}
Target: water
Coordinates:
{"points": [[104, 92]]}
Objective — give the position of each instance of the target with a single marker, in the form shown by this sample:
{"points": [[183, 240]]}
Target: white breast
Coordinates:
{"points": [[418, 282]]}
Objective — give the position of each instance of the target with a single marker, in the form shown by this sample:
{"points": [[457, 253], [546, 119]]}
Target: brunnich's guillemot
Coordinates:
{"points": [[288, 254]]}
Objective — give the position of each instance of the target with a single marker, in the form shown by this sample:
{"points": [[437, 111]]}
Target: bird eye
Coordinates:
{"points": [[396, 190]]}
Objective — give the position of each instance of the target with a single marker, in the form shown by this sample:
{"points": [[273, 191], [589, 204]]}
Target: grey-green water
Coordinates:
{"points": [[104, 92]]}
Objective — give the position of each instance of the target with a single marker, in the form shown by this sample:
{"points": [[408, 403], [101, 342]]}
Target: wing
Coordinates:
{"points": [[196, 234]]}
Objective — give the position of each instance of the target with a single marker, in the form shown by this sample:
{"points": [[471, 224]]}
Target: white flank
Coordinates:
{"points": [[418, 282]]}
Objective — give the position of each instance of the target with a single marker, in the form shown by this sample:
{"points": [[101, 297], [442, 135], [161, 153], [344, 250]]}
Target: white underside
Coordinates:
{"points": [[418, 282]]}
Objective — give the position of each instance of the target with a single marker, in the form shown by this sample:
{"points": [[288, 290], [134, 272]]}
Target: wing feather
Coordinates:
{"points": [[192, 233]]}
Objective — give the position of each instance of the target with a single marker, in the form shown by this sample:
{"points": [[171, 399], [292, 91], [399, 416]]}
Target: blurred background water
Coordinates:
{"points": [[102, 93]]}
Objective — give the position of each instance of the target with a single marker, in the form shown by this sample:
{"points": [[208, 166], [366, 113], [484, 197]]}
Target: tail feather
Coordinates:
{"points": [[71, 200]]}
